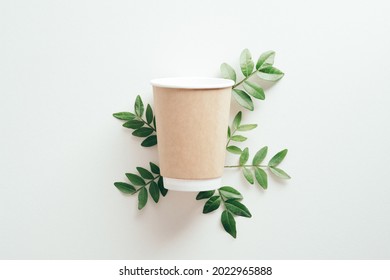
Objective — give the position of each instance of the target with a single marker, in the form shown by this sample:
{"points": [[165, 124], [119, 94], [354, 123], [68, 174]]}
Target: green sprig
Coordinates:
{"points": [[258, 169], [146, 179], [230, 198], [244, 90], [144, 128], [231, 135]]}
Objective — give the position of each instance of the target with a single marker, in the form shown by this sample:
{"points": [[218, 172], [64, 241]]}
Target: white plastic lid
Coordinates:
{"points": [[192, 185], [192, 82]]}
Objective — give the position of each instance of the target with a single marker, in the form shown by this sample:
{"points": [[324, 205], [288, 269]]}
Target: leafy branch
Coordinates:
{"points": [[258, 169], [142, 127], [237, 126], [247, 87], [230, 199], [151, 178]]}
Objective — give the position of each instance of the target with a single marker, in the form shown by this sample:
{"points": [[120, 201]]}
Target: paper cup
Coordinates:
{"points": [[192, 117]]}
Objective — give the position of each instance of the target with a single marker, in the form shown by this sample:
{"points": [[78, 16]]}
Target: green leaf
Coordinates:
{"points": [[246, 127], [145, 173], [155, 169], [270, 73], [135, 179], [149, 114], [228, 72], [228, 132], [238, 138], [154, 123], [230, 193], [248, 175], [143, 132], [246, 63], [160, 184], [142, 198], [237, 121], [261, 177], [134, 124], [244, 156], [154, 191], [237, 208], [279, 172], [205, 194], [150, 141], [229, 224], [234, 150], [243, 99], [254, 90], [212, 204], [265, 59], [139, 106], [278, 158], [126, 116], [260, 156], [125, 188]]}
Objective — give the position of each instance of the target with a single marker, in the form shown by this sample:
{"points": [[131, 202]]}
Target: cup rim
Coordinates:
{"points": [[192, 82]]}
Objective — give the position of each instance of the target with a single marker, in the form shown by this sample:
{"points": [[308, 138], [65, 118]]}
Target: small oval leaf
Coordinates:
{"points": [[244, 156], [228, 223], [135, 179], [278, 158], [230, 193], [265, 59], [254, 90], [149, 114], [205, 194], [142, 198], [234, 150], [260, 156], [155, 169], [246, 62], [238, 138], [237, 208], [154, 191], [145, 173], [142, 132], [126, 116], [134, 124], [150, 141], [125, 188], [243, 99], [228, 72], [212, 204], [139, 106], [160, 184], [246, 127], [248, 175], [261, 177], [237, 121], [279, 172], [270, 73]]}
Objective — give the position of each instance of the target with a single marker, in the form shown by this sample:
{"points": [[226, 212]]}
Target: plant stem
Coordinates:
{"points": [[243, 80], [142, 120], [151, 180], [221, 196], [247, 165], [223, 202]]}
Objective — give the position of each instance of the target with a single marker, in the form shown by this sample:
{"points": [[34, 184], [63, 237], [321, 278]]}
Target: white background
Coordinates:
{"points": [[66, 66]]}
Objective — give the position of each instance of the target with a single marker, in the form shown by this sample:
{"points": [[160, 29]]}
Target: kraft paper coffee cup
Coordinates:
{"points": [[192, 118]]}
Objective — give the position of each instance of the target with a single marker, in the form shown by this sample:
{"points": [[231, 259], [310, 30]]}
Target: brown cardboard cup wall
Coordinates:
{"points": [[192, 131]]}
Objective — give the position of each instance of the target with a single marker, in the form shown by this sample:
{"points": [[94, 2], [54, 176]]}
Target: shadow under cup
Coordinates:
{"points": [[192, 117]]}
